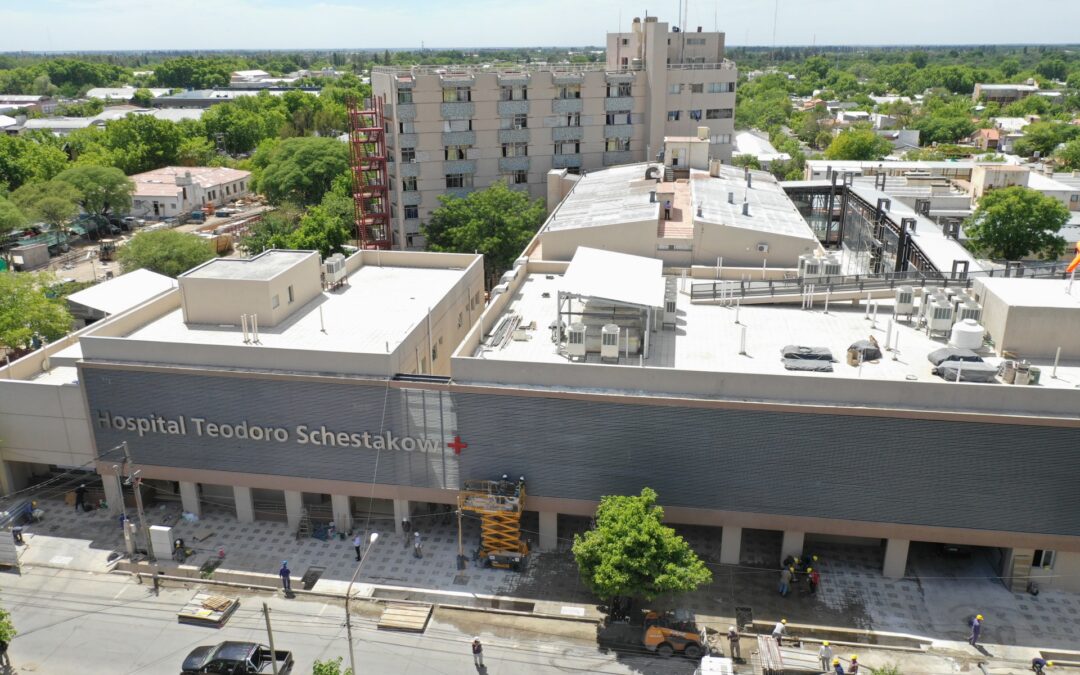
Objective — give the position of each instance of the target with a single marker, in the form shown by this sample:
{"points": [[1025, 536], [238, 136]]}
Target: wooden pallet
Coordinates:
{"points": [[206, 609], [411, 617]]}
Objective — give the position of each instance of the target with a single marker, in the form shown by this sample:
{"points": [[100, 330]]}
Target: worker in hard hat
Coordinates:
{"points": [[733, 644], [812, 579], [976, 628], [826, 656], [837, 668], [1038, 663], [853, 669], [778, 631]]}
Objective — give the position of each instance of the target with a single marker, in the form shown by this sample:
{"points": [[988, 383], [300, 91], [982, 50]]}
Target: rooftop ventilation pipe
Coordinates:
{"points": [[730, 197], [244, 328], [749, 179], [652, 196], [255, 329], [746, 208]]}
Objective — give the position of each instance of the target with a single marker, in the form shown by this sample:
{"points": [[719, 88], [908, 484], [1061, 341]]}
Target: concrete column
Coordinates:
{"points": [[401, 512], [342, 512], [245, 505], [549, 530], [294, 507], [7, 478], [896, 551], [730, 545], [114, 496], [792, 544], [189, 498]]}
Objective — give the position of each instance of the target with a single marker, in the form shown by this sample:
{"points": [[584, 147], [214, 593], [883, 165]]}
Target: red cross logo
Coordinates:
{"points": [[458, 445]]}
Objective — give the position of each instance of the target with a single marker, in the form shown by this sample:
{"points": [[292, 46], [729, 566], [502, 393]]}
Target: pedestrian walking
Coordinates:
{"points": [[477, 652], [1038, 663], [80, 498], [5, 660], [853, 669], [778, 632], [813, 578], [284, 573], [837, 668], [733, 643], [418, 547], [826, 656], [785, 581], [976, 628], [667, 209], [356, 542]]}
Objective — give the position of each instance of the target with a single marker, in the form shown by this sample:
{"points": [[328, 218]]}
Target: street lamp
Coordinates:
{"points": [[348, 596]]}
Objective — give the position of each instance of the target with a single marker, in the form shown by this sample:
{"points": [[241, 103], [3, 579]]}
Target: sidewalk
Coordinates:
{"points": [[936, 600]]}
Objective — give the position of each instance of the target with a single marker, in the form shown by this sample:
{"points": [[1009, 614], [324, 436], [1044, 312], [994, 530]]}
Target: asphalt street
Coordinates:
{"points": [[78, 622]]}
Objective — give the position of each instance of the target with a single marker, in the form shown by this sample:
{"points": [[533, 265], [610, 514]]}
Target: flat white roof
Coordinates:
{"points": [[606, 197], [372, 314], [266, 265], [770, 209], [619, 277], [123, 292], [1034, 292]]}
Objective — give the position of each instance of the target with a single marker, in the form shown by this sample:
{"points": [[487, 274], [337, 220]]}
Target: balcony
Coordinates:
{"points": [[513, 78], [562, 106], [567, 133], [406, 140], [459, 166], [513, 136], [407, 169], [619, 76], [618, 130], [513, 164], [619, 157], [565, 161], [459, 138], [567, 77], [618, 103], [460, 193], [510, 108], [410, 198], [405, 111], [457, 111]]}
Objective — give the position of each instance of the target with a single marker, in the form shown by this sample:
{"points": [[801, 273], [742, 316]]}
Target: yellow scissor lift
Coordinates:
{"points": [[499, 503]]}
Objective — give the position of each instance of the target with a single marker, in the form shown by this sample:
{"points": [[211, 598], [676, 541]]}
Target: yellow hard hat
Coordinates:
{"points": [[815, 558], [809, 569], [979, 617], [854, 657], [791, 569], [836, 662], [1049, 663], [783, 620], [825, 643]]}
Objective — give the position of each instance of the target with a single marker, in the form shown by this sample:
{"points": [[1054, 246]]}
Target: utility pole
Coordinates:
{"points": [[270, 638], [134, 480]]}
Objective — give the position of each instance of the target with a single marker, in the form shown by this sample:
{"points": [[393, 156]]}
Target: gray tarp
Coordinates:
{"points": [[813, 365], [809, 353], [939, 356], [969, 371], [868, 350]]}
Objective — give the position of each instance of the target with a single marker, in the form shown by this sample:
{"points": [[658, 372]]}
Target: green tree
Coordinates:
{"points": [[1069, 155], [1015, 222], [320, 231], [42, 160], [858, 144], [497, 221], [195, 151], [330, 667], [301, 170], [7, 628], [919, 59], [272, 231], [26, 312], [139, 143], [1052, 69], [55, 202], [632, 553], [11, 217], [1044, 138], [142, 97], [101, 189], [166, 252]]}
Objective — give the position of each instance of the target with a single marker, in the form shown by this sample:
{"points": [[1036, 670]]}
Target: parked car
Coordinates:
{"points": [[237, 658], [198, 216]]}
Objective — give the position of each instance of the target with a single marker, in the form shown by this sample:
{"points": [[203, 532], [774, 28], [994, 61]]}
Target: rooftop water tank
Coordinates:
{"points": [[966, 334]]}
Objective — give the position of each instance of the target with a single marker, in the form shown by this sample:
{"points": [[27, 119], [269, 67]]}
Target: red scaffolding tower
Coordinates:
{"points": [[371, 194]]}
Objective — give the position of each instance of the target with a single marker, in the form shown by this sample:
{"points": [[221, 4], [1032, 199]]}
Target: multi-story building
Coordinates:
{"points": [[453, 129]]}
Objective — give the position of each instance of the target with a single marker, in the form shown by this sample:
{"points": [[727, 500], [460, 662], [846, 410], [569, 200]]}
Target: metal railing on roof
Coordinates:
{"points": [[506, 69], [720, 65]]}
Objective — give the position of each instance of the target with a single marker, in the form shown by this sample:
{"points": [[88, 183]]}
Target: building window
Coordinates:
{"points": [[673, 116], [570, 91], [457, 125], [694, 114], [520, 121], [617, 89], [719, 113], [721, 87], [516, 177], [573, 120], [697, 88], [457, 95], [455, 152], [515, 150], [625, 42], [459, 180], [404, 96], [408, 184], [516, 93], [617, 145], [408, 154], [291, 296], [1043, 559], [617, 118], [406, 128], [1074, 198], [695, 41], [722, 139], [568, 148], [412, 211], [674, 88], [274, 302]]}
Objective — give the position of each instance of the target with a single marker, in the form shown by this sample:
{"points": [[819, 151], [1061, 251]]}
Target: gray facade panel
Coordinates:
{"points": [[508, 108], [560, 134], [513, 135], [566, 105], [1017, 478]]}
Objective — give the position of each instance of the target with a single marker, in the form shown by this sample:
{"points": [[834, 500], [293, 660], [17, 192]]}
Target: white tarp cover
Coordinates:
{"points": [[619, 277], [123, 292]]}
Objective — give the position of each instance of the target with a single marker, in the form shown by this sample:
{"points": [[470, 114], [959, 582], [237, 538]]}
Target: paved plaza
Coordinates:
{"points": [[936, 600]]}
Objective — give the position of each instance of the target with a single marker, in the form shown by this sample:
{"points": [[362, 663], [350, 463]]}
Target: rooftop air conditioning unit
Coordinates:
{"points": [[762, 248], [939, 317], [499, 290], [831, 265], [669, 310], [809, 266], [575, 340], [508, 276], [334, 269], [905, 301], [609, 342], [968, 309]]}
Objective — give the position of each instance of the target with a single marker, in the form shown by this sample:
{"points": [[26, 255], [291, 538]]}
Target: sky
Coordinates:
{"points": [[82, 25]]}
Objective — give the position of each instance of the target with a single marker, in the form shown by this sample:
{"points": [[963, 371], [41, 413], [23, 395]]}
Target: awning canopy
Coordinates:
{"points": [[618, 277]]}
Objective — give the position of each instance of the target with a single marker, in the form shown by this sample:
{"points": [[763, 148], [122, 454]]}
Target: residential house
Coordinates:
{"points": [[173, 191]]}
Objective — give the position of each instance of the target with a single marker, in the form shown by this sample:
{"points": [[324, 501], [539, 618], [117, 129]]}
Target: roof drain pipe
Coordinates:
{"points": [[243, 327], [255, 329]]}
